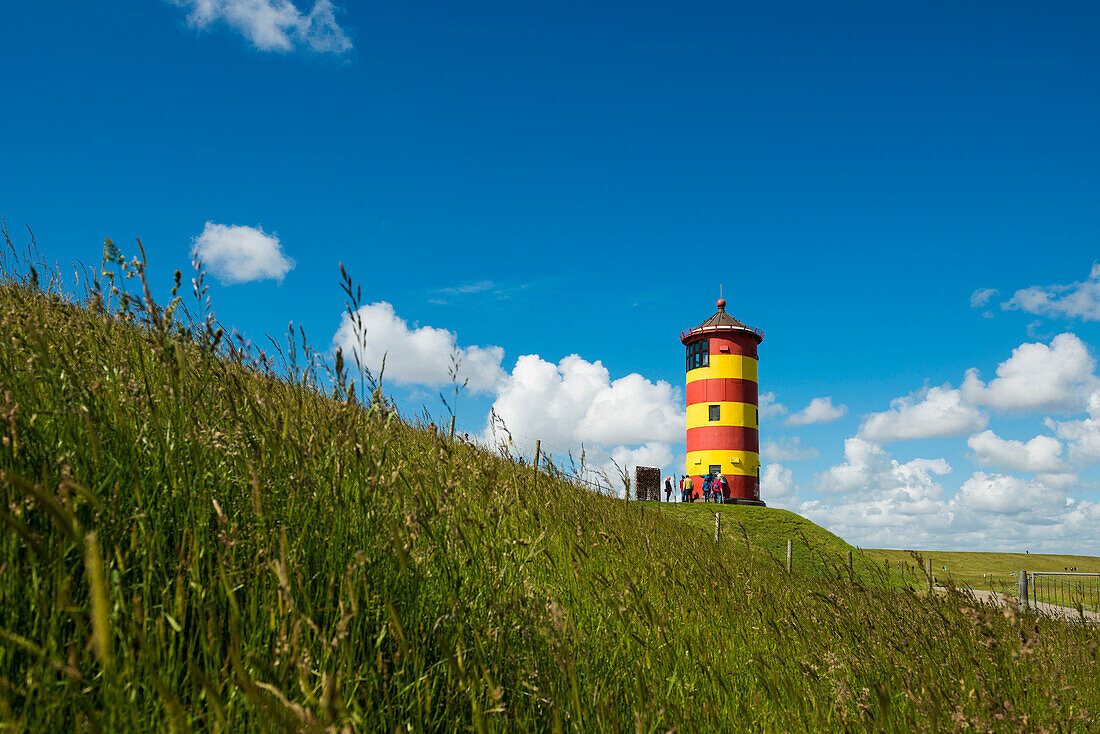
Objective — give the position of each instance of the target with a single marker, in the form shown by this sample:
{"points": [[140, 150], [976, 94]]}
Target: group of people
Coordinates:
{"points": [[715, 488]]}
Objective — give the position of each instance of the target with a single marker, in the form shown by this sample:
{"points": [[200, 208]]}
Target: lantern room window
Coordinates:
{"points": [[698, 354]]}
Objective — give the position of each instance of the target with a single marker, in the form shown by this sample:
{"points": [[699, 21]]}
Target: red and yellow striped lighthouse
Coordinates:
{"points": [[723, 422]]}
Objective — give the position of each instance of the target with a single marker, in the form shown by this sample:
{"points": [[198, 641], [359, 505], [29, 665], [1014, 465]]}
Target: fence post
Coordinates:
{"points": [[790, 555], [851, 569], [1023, 589], [538, 450], [928, 563], [717, 527]]}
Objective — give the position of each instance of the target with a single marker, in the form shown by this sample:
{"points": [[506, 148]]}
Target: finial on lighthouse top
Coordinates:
{"points": [[719, 322]]}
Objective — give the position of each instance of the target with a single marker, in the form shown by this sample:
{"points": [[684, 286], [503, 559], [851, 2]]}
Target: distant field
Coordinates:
{"points": [[995, 571]]}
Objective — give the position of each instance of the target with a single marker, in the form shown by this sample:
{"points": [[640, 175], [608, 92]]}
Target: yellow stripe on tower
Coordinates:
{"points": [[736, 366], [730, 414], [745, 463]]}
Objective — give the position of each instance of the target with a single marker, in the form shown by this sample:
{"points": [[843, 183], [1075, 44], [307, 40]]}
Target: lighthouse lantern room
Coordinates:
{"points": [[723, 421]]}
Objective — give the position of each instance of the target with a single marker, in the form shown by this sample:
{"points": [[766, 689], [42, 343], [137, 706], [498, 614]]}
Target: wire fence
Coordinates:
{"points": [[1061, 589]]}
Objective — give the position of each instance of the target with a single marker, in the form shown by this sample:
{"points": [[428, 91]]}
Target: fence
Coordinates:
{"points": [[1061, 591]]}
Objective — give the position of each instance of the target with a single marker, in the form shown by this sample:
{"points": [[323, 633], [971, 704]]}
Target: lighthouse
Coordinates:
{"points": [[723, 416]]}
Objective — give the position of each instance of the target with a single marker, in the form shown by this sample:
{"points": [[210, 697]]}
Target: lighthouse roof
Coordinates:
{"points": [[719, 322]]}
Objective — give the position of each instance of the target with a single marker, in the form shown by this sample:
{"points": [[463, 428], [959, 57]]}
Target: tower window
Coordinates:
{"points": [[698, 354], [715, 412]]}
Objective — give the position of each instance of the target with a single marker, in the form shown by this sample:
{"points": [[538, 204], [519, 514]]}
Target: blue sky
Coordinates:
{"points": [[538, 182]]}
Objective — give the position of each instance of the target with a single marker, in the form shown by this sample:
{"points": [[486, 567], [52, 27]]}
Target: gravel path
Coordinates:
{"points": [[1049, 610]]}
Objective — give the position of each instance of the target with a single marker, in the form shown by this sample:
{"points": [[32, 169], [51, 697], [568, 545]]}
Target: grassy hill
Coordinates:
{"points": [[763, 533], [194, 535]]}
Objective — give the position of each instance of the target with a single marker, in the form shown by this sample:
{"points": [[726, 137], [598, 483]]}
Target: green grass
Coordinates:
{"points": [[763, 533], [195, 536]]}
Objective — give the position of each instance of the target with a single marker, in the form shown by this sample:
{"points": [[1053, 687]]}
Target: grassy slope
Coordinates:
{"points": [[190, 541], [767, 530]]}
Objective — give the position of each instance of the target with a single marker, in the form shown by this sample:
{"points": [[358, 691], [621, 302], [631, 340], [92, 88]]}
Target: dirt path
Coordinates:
{"points": [[1050, 610]]}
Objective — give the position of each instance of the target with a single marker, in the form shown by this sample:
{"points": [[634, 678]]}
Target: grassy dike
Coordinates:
{"points": [[195, 538], [761, 533]]}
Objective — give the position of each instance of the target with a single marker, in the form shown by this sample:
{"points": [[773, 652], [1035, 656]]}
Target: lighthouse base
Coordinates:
{"points": [[745, 501]]}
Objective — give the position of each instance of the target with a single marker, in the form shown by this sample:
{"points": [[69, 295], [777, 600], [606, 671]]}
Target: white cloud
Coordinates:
{"points": [[417, 356], [873, 500], [1083, 435], [1060, 481], [769, 407], [876, 494], [651, 454], [237, 254], [1076, 300], [1005, 495], [273, 25], [469, 288], [820, 410], [788, 449], [1040, 454], [935, 412], [868, 469], [575, 401], [777, 486], [882, 503], [1037, 377], [981, 296]]}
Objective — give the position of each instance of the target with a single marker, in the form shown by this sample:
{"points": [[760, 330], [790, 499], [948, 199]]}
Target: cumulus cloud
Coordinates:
{"points": [[576, 401], [935, 412], [868, 469], [769, 406], [1076, 300], [1040, 454], [415, 356], [236, 254], [875, 493], [1060, 481], [981, 296], [1083, 435], [1037, 377], [651, 454], [777, 486], [788, 449], [880, 502], [777, 481], [820, 410], [1005, 495], [272, 25]]}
